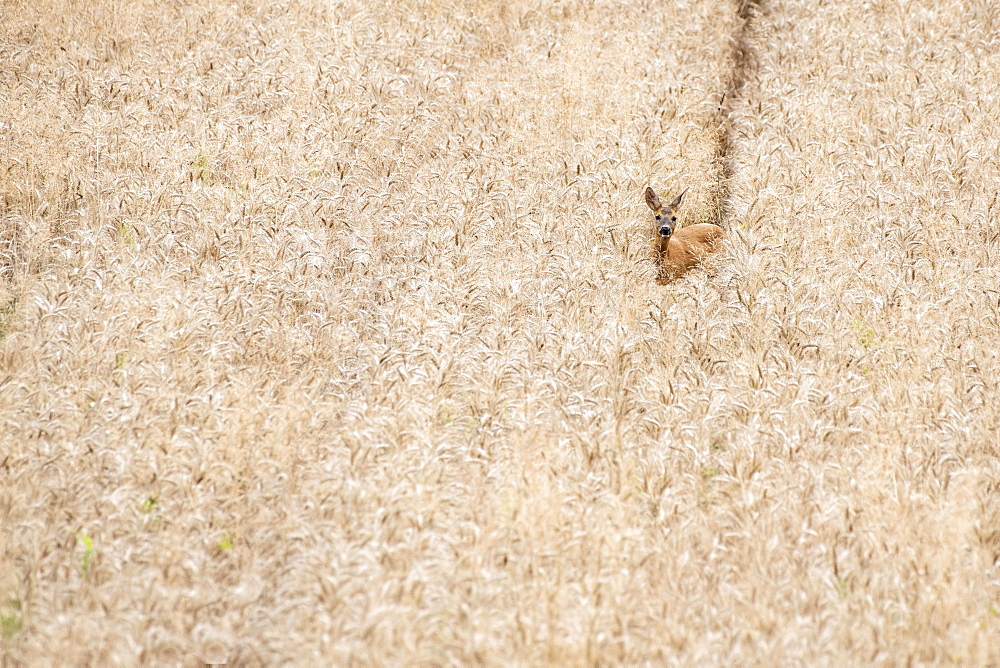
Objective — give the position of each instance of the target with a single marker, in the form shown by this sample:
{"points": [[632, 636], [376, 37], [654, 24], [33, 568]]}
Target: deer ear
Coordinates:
{"points": [[652, 201], [676, 204]]}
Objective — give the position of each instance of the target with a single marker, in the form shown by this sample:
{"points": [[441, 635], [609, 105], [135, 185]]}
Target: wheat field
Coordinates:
{"points": [[332, 334]]}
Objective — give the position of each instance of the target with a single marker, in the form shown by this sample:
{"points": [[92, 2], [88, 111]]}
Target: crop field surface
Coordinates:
{"points": [[331, 333]]}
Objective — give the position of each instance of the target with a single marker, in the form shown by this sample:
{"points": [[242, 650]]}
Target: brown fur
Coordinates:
{"points": [[680, 250]]}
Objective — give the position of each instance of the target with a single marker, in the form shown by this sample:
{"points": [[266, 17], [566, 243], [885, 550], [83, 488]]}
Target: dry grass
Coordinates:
{"points": [[331, 334]]}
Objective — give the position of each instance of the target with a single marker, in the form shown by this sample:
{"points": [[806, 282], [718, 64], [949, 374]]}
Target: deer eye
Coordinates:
{"points": [[673, 219], [658, 217]]}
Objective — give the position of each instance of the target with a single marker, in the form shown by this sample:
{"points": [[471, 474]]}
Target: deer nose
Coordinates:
{"points": [[664, 231]]}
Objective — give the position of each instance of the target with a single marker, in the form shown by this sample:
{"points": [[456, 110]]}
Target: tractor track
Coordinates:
{"points": [[744, 61]]}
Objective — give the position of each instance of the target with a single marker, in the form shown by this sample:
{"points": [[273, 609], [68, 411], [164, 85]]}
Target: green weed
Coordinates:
{"points": [[6, 316], [127, 234], [201, 169], [149, 504], [11, 618], [866, 335], [88, 551]]}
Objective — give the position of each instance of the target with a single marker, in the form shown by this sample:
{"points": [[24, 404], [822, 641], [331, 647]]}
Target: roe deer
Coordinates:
{"points": [[680, 249]]}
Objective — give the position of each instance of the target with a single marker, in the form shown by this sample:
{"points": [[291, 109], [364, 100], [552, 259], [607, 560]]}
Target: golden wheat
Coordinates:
{"points": [[331, 333]]}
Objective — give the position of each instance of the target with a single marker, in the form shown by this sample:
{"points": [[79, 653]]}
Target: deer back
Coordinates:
{"points": [[689, 245]]}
